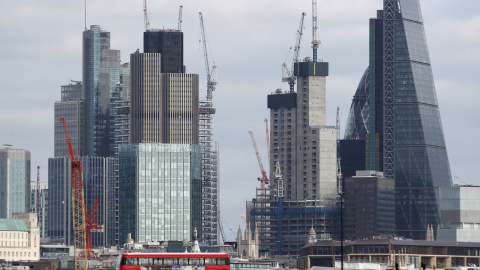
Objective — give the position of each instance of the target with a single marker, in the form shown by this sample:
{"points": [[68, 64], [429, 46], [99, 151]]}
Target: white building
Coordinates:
{"points": [[20, 238], [248, 247], [459, 214]]}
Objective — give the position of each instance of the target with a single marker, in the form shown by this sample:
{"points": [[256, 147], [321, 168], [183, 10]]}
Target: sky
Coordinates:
{"points": [[41, 49]]}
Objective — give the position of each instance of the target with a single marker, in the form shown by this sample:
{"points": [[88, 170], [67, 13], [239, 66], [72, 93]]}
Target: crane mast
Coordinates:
{"points": [[287, 74], [315, 42], [264, 179], [211, 82], [145, 16], [180, 18], [78, 205]]}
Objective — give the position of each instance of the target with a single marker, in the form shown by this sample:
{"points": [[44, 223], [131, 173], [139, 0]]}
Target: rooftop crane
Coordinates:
{"points": [[315, 42], [264, 180], [287, 75], [211, 82], [145, 16], [180, 18], [78, 205]]}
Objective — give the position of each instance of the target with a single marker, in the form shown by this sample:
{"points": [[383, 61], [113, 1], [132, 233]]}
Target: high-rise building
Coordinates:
{"points": [[71, 108], [15, 181], [303, 170], [395, 111], [98, 174], [163, 106], [169, 43], [161, 192], [369, 206], [101, 74], [301, 142]]}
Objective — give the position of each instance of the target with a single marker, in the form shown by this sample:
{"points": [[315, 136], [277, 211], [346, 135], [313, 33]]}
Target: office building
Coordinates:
{"points": [[369, 206], [160, 186], [99, 174], [459, 214], [163, 106], [101, 74], [168, 43], [15, 181], [395, 111], [19, 238], [71, 108]]}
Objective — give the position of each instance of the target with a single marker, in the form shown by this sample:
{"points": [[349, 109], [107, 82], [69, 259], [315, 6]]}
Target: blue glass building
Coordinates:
{"points": [[14, 181], [161, 191], [395, 111]]}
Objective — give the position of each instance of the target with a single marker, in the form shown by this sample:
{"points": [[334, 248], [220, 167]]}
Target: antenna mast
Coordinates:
{"points": [[315, 42], [145, 16]]}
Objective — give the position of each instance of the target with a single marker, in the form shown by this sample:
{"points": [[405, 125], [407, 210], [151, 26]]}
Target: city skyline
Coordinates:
{"points": [[248, 45]]}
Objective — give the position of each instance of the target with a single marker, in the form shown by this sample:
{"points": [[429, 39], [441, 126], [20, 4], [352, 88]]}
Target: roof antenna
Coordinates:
{"points": [[85, 15]]}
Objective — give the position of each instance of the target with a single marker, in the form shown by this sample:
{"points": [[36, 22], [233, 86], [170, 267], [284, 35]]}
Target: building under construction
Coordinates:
{"points": [[302, 158]]}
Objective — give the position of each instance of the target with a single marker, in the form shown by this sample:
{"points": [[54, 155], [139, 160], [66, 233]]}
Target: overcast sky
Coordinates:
{"points": [[41, 49]]}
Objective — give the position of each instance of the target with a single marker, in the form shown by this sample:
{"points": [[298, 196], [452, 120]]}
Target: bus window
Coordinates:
{"points": [[209, 261], [158, 261], [145, 261], [182, 261], [220, 261], [170, 261], [194, 261], [131, 261]]}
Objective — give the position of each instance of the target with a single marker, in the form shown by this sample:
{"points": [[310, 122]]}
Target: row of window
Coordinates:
{"points": [[13, 236], [7, 254], [175, 261], [15, 244]]}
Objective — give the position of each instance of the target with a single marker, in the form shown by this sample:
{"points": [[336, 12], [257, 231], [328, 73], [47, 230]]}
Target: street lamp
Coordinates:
{"points": [[341, 194]]}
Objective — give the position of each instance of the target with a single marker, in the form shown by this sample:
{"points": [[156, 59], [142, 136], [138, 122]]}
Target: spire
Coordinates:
{"points": [[195, 246]]}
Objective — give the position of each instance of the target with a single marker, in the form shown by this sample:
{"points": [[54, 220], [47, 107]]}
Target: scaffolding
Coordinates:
{"points": [[296, 217], [210, 175]]}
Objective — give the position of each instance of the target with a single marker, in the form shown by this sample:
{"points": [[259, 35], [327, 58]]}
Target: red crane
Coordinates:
{"points": [[78, 205], [89, 225], [264, 179]]}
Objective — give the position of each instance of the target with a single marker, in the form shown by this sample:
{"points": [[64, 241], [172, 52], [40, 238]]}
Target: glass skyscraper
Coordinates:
{"points": [[161, 191], [14, 181], [395, 111]]}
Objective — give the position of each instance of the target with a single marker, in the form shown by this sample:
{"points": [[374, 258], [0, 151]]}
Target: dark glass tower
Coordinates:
{"points": [[395, 111], [170, 44]]}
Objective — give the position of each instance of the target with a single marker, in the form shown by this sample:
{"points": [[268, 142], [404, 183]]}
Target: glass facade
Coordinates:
{"points": [[161, 190], [97, 173], [14, 181], [395, 110]]}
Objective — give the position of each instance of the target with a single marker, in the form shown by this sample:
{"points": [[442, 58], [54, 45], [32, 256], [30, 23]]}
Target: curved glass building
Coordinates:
{"points": [[395, 111]]}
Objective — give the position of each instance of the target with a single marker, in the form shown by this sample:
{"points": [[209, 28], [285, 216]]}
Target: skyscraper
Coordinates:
{"points": [[15, 181], [395, 111], [169, 43], [163, 106]]}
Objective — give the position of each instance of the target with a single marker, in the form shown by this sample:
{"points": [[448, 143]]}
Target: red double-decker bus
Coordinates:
{"points": [[173, 261]]}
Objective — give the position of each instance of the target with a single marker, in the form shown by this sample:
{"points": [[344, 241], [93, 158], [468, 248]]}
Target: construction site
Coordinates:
{"points": [[304, 190]]}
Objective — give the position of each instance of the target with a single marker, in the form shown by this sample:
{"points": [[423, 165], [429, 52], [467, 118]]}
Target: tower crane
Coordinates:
{"points": [[180, 18], [287, 74], [78, 205], [145, 16], [211, 82], [315, 42], [264, 180]]}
